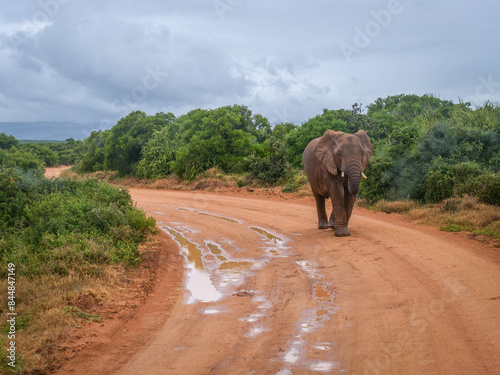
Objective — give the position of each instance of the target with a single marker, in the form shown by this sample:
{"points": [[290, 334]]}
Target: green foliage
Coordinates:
{"points": [[377, 186], [425, 148], [54, 226], [42, 152], [272, 165], [433, 150], [407, 108], [294, 182], [123, 146], [7, 141], [17, 159], [217, 138], [159, 153], [92, 152]]}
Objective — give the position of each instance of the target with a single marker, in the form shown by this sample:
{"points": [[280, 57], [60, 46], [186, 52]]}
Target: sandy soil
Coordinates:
{"points": [[249, 285]]}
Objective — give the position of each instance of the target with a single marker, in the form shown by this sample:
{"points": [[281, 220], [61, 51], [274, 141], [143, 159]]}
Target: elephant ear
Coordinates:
{"points": [[367, 146], [325, 148]]}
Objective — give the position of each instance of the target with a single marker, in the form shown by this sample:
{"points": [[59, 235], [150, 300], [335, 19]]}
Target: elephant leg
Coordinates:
{"points": [[331, 222], [339, 215], [320, 208]]}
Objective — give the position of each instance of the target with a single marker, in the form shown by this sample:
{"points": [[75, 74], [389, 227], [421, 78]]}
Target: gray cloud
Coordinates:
{"points": [[68, 60]]}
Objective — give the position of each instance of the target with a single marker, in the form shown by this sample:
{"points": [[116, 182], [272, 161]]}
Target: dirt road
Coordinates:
{"points": [[265, 292]]}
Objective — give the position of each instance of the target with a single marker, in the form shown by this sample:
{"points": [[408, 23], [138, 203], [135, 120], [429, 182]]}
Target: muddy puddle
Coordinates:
{"points": [[275, 244], [204, 213], [267, 234], [312, 320], [212, 274], [198, 281]]}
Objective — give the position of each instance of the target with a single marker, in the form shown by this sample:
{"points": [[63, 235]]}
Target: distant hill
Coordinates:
{"points": [[48, 130]]}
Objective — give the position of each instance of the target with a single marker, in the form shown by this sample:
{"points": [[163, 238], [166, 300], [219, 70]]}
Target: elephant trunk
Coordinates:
{"points": [[354, 175]]}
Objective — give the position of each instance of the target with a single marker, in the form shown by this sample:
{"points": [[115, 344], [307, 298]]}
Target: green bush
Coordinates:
{"points": [[54, 226], [377, 186], [445, 181], [272, 166], [220, 138], [159, 153], [487, 188]]}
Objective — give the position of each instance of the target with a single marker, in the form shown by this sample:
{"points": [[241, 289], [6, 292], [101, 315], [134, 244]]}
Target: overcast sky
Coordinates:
{"points": [[96, 61]]}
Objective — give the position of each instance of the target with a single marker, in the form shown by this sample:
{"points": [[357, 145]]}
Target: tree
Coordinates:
{"points": [[92, 154], [127, 138], [8, 141], [159, 153], [220, 137]]}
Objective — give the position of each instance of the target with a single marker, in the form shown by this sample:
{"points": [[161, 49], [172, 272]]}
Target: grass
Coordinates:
{"points": [[46, 307], [72, 242], [451, 215]]}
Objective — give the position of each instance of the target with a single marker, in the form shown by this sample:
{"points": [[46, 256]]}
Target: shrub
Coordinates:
{"points": [[377, 185], [64, 225], [489, 188]]}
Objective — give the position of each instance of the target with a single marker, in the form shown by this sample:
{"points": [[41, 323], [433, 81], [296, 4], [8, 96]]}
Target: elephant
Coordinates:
{"points": [[334, 164]]}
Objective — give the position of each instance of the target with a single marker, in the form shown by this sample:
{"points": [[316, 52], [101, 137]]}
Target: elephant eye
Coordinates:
{"points": [[338, 154]]}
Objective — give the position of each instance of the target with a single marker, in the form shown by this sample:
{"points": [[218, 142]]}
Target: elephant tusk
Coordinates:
{"points": [[343, 175], [362, 174]]}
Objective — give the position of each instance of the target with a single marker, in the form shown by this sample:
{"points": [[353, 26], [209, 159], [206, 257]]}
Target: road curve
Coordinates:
{"points": [[266, 292]]}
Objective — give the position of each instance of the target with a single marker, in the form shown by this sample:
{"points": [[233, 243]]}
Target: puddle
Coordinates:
{"points": [[211, 311], [268, 235], [321, 294], [230, 270], [206, 213], [308, 268], [254, 319], [198, 281], [323, 366], [234, 270], [322, 346], [320, 313], [294, 353], [277, 248], [218, 217], [216, 250], [160, 213], [189, 249], [234, 266], [312, 320], [255, 331]]}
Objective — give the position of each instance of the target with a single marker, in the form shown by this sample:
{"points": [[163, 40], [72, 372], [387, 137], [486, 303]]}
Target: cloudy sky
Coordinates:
{"points": [[96, 61]]}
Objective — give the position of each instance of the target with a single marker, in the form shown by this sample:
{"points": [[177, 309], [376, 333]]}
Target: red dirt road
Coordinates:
{"points": [[263, 291]]}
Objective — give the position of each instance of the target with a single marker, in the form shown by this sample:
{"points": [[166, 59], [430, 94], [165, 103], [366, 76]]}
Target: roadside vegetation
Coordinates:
{"points": [[434, 160], [63, 238], [427, 150]]}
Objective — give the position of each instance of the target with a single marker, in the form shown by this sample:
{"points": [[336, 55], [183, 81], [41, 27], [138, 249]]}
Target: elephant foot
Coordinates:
{"points": [[323, 225], [342, 232]]}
